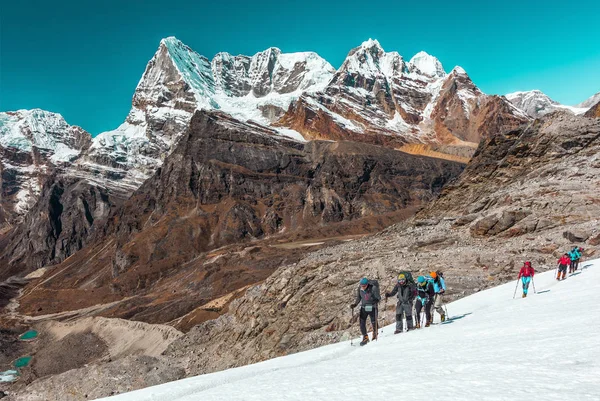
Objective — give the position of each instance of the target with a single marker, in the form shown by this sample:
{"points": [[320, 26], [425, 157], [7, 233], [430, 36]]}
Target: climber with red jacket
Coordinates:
{"points": [[563, 262], [526, 275]]}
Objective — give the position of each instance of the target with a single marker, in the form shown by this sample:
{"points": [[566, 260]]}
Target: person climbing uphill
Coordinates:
{"points": [[425, 295], [368, 296], [575, 256], [526, 275], [572, 254], [563, 262], [439, 287], [406, 295], [579, 255]]}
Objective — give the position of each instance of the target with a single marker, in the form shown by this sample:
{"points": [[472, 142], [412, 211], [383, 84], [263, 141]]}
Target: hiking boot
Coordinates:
{"points": [[374, 336], [443, 317], [365, 340], [418, 325], [427, 324], [397, 331], [524, 295]]}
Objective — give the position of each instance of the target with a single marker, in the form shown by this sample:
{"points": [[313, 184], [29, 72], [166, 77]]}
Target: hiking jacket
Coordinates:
{"points": [[365, 297], [406, 293], [526, 271], [564, 260], [438, 284], [425, 291]]}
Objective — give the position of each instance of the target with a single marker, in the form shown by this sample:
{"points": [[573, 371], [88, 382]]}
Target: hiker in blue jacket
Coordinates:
{"points": [[425, 294], [439, 287], [574, 255]]}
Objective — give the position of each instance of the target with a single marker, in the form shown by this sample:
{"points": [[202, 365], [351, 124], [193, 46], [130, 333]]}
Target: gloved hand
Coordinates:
{"points": [[442, 291], [353, 306]]}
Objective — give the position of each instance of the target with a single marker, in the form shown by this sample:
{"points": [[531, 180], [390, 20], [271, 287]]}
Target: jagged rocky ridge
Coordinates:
{"points": [[33, 145], [536, 104], [229, 183], [380, 98], [258, 89]]}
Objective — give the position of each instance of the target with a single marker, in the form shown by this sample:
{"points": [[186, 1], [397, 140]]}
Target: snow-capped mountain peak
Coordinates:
{"points": [[458, 70], [536, 103], [33, 143], [370, 44], [586, 104], [23, 130], [426, 64]]}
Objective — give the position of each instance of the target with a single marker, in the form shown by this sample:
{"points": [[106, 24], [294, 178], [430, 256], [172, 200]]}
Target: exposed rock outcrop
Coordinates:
{"points": [[230, 183], [594, 111]]}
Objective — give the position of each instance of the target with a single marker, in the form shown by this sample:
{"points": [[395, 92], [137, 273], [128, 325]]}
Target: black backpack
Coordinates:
{"points": [[375, 289]]}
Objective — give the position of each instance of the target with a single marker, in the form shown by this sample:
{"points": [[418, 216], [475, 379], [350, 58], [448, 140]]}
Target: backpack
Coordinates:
{"points": [[424, 288], [375, 289], [409, 277]]}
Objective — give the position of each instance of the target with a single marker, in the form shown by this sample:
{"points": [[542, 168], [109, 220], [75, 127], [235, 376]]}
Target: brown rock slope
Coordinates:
{"points": [[64, 219], [538, 184], [202, 226], [594, 111]]}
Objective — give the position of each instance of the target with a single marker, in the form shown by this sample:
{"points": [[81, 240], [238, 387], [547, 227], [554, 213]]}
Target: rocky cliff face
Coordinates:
{"points": [[377, 97], [594, 111], [178, 81], [230, 183], [37, 145], [33, 144], [61, 222]]}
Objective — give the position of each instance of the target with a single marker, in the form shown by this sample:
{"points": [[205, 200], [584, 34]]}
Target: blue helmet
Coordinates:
{"points": [[421, 279], [364, 281]]}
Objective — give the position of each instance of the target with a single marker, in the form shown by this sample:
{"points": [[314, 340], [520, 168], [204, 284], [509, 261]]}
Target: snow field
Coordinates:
{"points": [[495, 348]]}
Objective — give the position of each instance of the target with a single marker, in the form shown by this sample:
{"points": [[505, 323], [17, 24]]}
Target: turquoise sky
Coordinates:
{"points": [[83, 59]]}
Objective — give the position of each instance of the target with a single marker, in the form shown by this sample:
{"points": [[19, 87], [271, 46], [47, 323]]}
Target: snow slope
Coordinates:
{"points": [[495, 348]]}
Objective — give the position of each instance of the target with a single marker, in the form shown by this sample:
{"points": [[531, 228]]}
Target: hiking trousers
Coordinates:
{"points": [[406, 309], [438, 304], [526, 281], [423, 303], [363, 319]]}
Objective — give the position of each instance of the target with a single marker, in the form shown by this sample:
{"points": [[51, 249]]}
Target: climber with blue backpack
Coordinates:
{"points": [[425, 294], [439, 288], [368, 296], [574, 255]]}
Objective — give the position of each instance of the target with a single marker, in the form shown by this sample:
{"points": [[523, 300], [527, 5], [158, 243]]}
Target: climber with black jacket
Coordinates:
{"points": [[406, 295], [368, 296]]}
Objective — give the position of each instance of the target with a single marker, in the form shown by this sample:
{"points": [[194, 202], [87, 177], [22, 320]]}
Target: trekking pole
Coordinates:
{"points": [[376, 328], [351, 320], [516, 286], [384, 312], [532, 283]]}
